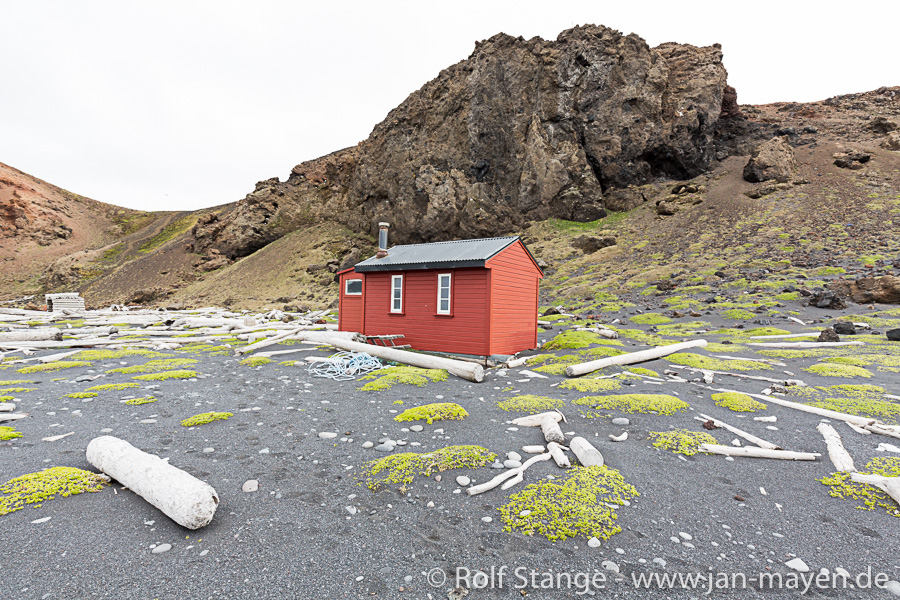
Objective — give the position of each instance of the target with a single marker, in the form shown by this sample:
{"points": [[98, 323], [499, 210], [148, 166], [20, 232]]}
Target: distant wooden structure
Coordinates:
{"points": [[64, 301]]}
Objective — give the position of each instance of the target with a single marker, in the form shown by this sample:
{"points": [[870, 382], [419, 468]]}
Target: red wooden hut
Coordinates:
{"points": [[477, 297]]}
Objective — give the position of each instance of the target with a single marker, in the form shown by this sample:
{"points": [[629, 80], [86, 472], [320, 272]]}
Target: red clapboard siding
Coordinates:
{"points": [[514, 300], [463, 332], [350, 308]]}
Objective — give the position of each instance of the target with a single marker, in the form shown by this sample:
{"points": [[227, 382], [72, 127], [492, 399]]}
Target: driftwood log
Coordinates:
{"points": [[182, 497], [559, 457], [631, 358], [548, 422], [511, 477], [836, 452], [751, 452], [747, 436], [891, 485], [804, 344], [587, 455], [45, 334]]}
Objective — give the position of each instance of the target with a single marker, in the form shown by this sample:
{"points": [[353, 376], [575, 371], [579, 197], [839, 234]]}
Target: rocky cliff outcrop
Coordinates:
{"points": [[521, 130]]}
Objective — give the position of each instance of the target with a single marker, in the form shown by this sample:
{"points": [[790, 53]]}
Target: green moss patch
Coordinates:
{"points": [[636, 403], [16, 381], [650, 319], [837, 370], [207, 417], [54, 366], [530, 404], [738, 314], [869, 496], [400, 469], [737, 402], [385, 379], [114, 354], [105, 387], [16, 390], [78, 395], [698, 361], [592, 385], [155, 366], [439, 411], [572, 339], [583, 503], [862, 400], [8, 433], [36, 488], [684, 329], [681, 441], [139, 401], [642, 371], [178, 374], [256, 361]]}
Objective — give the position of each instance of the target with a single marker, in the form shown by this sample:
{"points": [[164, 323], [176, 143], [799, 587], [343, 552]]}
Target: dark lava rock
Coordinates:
{"points": [[826, 299], [844, 328], [828, 335], [591, 243], [894, 335], [885, 289]]}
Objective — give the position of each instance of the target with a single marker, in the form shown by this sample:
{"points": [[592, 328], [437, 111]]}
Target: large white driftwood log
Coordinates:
{"points": [[548, 422], [44, 334], [559, 457], [751, 452], [836, 452], [803, 344], [182, 497], [513, 474], [632, 358], [891, 485], [468, 371], [12, 417], [747, 436], [587, 455]]}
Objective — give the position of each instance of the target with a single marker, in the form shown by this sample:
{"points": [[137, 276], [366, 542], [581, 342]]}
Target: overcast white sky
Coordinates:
{"points": [[175, 105]]}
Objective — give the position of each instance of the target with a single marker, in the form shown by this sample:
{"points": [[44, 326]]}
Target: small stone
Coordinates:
{"points": [[162, 548], [208, 450], [798, 565], [327, 435], [524, 513], [264, 451], [486, 519], [659, 561], [685, 536], [416, 428], [385, 447], [497, 465], [463, 480], [610, 566], [893, 335], [514, 456], [367, 445], [39, 521], [430, 504], [251, 485], [593, 543], [621, 421], [204, 553], [351, 509], [512, 464], [148, 421]]}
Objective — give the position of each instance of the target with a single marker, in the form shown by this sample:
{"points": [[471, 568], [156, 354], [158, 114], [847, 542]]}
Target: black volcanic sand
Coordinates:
{"points": [[296, 538]]}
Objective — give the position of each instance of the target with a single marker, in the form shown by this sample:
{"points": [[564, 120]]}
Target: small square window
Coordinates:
{"points": [[353, 287]]}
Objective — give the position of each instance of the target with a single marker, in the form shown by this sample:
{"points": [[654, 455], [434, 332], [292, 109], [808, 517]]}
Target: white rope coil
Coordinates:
{"points": [[345, 366]]}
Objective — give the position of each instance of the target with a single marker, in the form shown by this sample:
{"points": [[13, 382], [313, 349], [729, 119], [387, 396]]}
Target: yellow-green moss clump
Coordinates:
{"points": [[681, 441], [584, 503], [439, 411], [642, 371], [836, 370], [179, 374], [698, 361], [592, 385], [738, 314], [650, 319], [530, 403], [385, 379], [105, 387], [256, 361], [8, 433], [15, 381], [54, 366], [16, 390], [862, 400], [113, 354], [204, 418], [869, 496], [737, 402], [573, 339], [36, 488], [155, 366], [139, 401], [401, 469], [78, 395], [636, 403]]}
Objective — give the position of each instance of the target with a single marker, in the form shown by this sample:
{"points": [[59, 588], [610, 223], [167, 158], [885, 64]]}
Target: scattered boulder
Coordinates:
{"points": [[591, 243], [828, 335], [826, 299], [771, 160], [883, 125], [892, 141], [216, 262], [893, 335], [851, 160], [866, 290], [844, 328], [148, 295], [666, 208], [623, 199]]}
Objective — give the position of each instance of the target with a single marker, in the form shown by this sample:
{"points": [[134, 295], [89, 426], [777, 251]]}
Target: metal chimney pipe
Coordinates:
{"points": [[382, 240]]}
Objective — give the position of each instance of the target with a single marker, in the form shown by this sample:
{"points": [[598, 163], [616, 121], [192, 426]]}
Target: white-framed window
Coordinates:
{"points": [[443, 294], [353, 287], [396, 293]]}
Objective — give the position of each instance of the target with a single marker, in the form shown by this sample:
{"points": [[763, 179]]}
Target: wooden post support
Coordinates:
{"points": [[182, 497]]}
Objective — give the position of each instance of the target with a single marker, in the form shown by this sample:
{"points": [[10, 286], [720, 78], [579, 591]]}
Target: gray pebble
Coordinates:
{"points": [[384, 448], [162, 548], [621, 421]]}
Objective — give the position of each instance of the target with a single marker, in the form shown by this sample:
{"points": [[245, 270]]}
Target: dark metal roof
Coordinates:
{"points": [[438, 255]]}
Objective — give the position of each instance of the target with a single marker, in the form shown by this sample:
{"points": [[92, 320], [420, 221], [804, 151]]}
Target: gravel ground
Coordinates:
{"points": [[311, 531]]}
